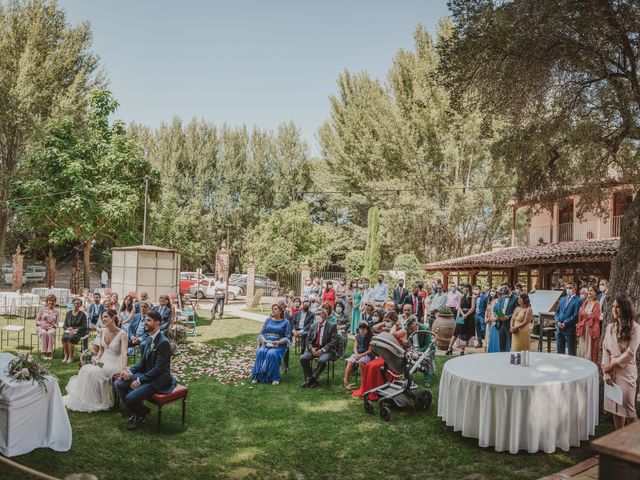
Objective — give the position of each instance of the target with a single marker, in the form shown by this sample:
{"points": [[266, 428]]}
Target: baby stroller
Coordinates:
{"points": [[402, 365]]}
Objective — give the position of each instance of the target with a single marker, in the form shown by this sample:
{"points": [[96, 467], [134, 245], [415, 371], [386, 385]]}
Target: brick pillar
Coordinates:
{"points": [[251, 280], [18, 268], [51, 270], [76, 276], [305, 274]]}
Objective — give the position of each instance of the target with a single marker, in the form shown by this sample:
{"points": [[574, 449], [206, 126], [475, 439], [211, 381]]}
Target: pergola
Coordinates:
{"points": [[538, 267]]}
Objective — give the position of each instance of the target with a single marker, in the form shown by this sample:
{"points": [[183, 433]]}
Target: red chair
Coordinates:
{"points": [[179, 392]]}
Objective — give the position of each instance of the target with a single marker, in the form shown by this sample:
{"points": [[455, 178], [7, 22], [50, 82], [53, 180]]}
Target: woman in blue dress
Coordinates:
{"points": [[274, 339]]}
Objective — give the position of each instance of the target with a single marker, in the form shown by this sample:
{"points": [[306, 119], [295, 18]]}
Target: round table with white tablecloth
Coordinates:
{"points": [[31, 416], [553, 403]]}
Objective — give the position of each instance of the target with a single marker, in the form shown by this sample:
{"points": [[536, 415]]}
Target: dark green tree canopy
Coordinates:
{"points": [[559, 80]]}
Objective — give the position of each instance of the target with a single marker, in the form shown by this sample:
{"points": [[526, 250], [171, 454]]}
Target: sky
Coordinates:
{"points": [[259, 63]]}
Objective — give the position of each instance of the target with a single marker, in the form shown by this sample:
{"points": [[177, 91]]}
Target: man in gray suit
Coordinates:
{"points": [[321, 345]]}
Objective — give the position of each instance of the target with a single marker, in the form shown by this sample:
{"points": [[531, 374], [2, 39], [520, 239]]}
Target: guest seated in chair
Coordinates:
{"points": [[136, 332], [151, 374], [164, 309], [75, 327], [274, 339], [362, 352], [302, 320], [321, 344]]}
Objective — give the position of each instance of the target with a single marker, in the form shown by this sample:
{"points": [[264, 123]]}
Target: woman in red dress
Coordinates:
{"points": [[372, 375], [329, 295]]}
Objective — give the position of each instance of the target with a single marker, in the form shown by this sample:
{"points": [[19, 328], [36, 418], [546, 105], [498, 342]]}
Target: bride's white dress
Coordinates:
{"points": [[91, 390]]}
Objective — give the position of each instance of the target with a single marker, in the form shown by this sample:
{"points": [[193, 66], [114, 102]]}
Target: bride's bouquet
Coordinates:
{"points": [[24, 368], [87, 358]]}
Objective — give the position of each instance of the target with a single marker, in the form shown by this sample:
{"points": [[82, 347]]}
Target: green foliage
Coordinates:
{"points": [[565, 114], [218, 183], [286, 238], [372, 249], [404, 135], [354, 264], [408, 263], [46, 71], [92, 181]]}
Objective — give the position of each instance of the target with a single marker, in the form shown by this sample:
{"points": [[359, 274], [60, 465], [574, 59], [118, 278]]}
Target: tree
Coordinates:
{"points": [[559, 81], [429, 169], [87, 184], [354, 264], [286, 238], [409, 263], [372, 249], [219, 182], [46, 70]]}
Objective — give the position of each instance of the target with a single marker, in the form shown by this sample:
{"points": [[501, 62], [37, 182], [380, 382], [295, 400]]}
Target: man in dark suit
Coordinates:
{"points": [[164, 309], [506, 305], [566, 317], [417, 305], [150, 375], [399, 294], [136, 332], [321, 345], [301, 322]]}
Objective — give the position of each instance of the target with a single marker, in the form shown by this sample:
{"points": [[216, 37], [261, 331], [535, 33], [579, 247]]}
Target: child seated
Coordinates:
{"points": [[362, 351]]}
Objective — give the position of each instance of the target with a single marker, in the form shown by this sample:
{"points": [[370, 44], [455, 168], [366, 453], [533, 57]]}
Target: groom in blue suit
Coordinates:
{"points": [[150, 375], [566, 318]]}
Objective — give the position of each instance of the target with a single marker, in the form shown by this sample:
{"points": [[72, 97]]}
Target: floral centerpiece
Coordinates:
{"points": [[24, 368]]}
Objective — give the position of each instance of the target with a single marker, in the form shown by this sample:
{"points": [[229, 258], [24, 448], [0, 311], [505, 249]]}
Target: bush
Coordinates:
{"points": [[354, 264]]}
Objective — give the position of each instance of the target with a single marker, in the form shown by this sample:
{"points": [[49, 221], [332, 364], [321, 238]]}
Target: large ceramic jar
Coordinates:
{"points": [[444, 325]]}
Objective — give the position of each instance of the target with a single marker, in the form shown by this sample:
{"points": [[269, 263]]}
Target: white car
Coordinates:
{"points": [[209, 291], [33, 273]]}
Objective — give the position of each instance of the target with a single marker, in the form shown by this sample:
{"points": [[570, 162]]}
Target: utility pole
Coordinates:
{"points": [[144, 224]]}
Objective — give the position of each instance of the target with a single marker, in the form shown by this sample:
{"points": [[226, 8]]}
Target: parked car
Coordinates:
{"points": [[33, 273], [209, 291], [187, 279], [269, 286]]}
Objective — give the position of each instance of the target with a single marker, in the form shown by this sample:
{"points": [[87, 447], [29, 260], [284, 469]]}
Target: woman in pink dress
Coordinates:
{"points": [[588, 328], [619, 360], [46, 323]]}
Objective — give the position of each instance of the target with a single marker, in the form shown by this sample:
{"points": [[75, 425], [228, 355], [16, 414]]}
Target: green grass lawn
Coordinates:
{"points": [[240, 430]]}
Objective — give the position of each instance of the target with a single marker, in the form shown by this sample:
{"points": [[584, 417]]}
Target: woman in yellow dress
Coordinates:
{"points": [[521, 324]]}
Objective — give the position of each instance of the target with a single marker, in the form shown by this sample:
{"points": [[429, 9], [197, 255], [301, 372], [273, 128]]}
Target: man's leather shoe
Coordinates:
{"points": [[313, 383], [134, 422]]}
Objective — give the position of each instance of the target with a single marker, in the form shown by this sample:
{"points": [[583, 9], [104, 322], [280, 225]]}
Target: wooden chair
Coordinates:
{"points": [[257, 298]]}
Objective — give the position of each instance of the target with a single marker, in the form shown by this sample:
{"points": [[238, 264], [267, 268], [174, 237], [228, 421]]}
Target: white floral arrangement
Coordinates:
{"points": [[25, 368]]}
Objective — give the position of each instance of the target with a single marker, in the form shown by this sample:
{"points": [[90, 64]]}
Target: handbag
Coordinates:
{"points": [[459, 320]]}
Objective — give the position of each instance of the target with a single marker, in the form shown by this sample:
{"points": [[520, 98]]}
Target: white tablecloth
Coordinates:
{"points": [[551, 404], [31, 418], [13, 299], [62, 294]]}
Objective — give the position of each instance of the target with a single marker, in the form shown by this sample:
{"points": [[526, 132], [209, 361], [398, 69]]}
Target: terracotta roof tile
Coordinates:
{"points": [[565, 252]]}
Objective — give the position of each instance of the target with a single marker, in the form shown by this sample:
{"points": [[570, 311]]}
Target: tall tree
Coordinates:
{"points": [[372, 249], [560, 81], [399, 145], [46, 70], [86, 184], [218, 182]]}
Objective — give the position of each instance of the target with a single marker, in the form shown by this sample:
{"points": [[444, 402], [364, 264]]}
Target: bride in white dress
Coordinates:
{"points": [[91, 390]]}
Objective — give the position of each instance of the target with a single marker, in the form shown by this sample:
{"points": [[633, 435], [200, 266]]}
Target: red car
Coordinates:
{"points": [[190, 278]]}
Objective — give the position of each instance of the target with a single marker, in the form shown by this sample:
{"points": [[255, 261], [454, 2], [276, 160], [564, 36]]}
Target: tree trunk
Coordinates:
{"points": [[625, 268], [4, 217], [86, 253]]}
